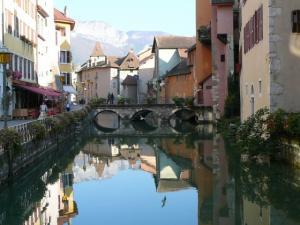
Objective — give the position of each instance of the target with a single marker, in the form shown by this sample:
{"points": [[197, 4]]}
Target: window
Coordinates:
{"points": [[260, 87], [247, 89], [65, 57], [253, 30], [17, 33], [67, 78], [222, 58], [296, 21]]}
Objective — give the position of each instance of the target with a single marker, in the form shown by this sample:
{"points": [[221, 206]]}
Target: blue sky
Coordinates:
{"points": [[171, 16]]}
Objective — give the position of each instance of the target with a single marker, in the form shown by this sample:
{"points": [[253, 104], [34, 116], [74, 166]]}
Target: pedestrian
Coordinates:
{"points": [[68, 107], [43, 111], [112, 98], [108, 98]]}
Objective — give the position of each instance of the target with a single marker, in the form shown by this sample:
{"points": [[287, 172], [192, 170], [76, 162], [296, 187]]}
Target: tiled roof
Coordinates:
{"points": [[112, 61], [173, 42], [181, 69], [129, 62], [97, 51], [61, 17]]}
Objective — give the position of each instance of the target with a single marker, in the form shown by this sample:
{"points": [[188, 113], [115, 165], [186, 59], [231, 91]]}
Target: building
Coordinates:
{"points": [[169, 52], [270, 56], [47, 60], [99, 75], [203, 55], [178, 82], [64, 25], [128, 75], [222, 52], [146, 70]]}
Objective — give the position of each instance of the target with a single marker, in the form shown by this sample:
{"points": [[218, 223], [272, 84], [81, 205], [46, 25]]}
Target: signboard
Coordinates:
{"points": [[5, 58]]}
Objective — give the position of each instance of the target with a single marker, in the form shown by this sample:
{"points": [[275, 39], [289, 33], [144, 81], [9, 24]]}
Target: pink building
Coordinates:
{"points": [[222, 52]]}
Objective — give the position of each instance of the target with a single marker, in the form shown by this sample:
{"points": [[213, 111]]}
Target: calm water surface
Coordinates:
{"points": [[133, 174]]}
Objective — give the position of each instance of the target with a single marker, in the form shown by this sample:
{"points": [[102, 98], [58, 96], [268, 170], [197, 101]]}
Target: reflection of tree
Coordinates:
{"points": [[275, 184]]}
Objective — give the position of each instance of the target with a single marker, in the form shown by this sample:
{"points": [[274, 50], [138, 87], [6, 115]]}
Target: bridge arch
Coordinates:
{"points": [[183, 113], [98, 112], [142, 113]]}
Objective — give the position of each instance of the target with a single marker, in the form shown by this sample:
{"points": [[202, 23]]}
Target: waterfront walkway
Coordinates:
{"points": [[12, 123]]}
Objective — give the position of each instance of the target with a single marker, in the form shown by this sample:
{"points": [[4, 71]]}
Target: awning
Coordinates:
{"points": [[39, 90], [69, 89]]}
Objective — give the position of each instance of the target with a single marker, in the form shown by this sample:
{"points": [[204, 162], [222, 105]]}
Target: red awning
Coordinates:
{"points": [[39, 90]]}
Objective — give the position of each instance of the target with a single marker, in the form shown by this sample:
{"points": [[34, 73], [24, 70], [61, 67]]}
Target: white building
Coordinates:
{"points": [[47, 53], [146, 71]]}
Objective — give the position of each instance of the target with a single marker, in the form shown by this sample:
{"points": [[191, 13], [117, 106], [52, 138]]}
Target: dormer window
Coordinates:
{"points": [[296, 21]]}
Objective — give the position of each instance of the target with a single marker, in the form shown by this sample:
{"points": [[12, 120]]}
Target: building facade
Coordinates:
{"points": [[146, 70], [47, 60], [270, 56], [64, 25], [99, 76], [169, 51]]}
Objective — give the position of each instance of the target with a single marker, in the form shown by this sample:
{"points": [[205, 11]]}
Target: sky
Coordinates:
{"points": [[172, 16]]}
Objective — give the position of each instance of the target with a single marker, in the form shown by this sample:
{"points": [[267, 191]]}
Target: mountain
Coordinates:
{"points": [[113, 41]]}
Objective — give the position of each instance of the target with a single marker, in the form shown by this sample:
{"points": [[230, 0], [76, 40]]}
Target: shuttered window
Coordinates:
{"points": [[296, 21], [253, 30]]}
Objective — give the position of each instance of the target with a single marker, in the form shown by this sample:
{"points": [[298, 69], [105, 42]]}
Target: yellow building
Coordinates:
{"points": [[64, 25], [270, 56]]}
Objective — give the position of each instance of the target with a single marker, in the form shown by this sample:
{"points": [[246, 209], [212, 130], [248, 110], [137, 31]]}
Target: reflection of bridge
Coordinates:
{"points": [[162, 111]]}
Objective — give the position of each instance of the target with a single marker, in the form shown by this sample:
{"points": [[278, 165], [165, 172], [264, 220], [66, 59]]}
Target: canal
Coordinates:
{"points": [[124, 173]]}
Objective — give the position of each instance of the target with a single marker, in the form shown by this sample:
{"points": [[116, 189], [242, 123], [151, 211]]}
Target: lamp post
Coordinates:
{"points": [[5, 58]]}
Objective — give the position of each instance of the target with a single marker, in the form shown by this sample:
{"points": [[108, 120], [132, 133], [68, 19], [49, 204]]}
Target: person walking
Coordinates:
{"points": [[43, 111], [108, 98], [112, 98], [68, 107]]}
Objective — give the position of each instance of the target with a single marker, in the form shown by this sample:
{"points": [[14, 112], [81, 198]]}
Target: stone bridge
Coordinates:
{"points": [[161, 111]]}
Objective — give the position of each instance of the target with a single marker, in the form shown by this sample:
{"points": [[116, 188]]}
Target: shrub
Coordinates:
{"points": [[293, 125], [121, 100], [151, 100], [178, 101], [37, 130], [189, 101], [10, 139], [277, 123]]}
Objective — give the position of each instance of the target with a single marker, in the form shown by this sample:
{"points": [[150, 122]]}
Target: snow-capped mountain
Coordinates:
{"points": [[113, 41]]}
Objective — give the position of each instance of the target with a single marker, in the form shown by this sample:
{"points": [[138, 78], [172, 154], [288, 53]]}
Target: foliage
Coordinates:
{"points": [[10, 139], [151, 100], [37, 130], [94, 102], [293, 125], [232, 102], [121, 100], [178, 101], [276, 123], [189, 101]]}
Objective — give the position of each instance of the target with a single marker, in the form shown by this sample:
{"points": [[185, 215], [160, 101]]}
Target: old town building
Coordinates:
{"points": [[270, 56], [64, 25]]}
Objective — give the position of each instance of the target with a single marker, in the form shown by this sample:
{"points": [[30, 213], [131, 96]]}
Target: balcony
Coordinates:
{"points": [[223, 2], [204, 35]]}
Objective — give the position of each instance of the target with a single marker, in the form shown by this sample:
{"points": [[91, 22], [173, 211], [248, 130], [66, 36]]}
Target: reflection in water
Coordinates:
{"points": [[186, 179]]}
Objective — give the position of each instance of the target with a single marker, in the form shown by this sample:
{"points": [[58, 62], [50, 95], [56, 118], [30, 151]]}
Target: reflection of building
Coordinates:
{"points": [[57, 207], [66, 205]]}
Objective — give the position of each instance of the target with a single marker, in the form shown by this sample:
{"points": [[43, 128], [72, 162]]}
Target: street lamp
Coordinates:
{"points": [[5, 58]]}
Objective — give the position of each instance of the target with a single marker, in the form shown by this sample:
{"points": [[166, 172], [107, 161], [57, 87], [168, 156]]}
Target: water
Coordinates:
{"points": [[124, 173]]}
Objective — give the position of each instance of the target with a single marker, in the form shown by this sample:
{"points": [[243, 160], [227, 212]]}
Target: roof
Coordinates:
{"points": [[146, 59], [112, 61], [181, 69], [97, 51], [61, 17], [192, 48], [42, 11], [173, 42], [130, 80], [129, 62]]}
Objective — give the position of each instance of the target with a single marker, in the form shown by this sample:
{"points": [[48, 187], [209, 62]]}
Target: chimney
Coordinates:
{"points": [[65, 11]]}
